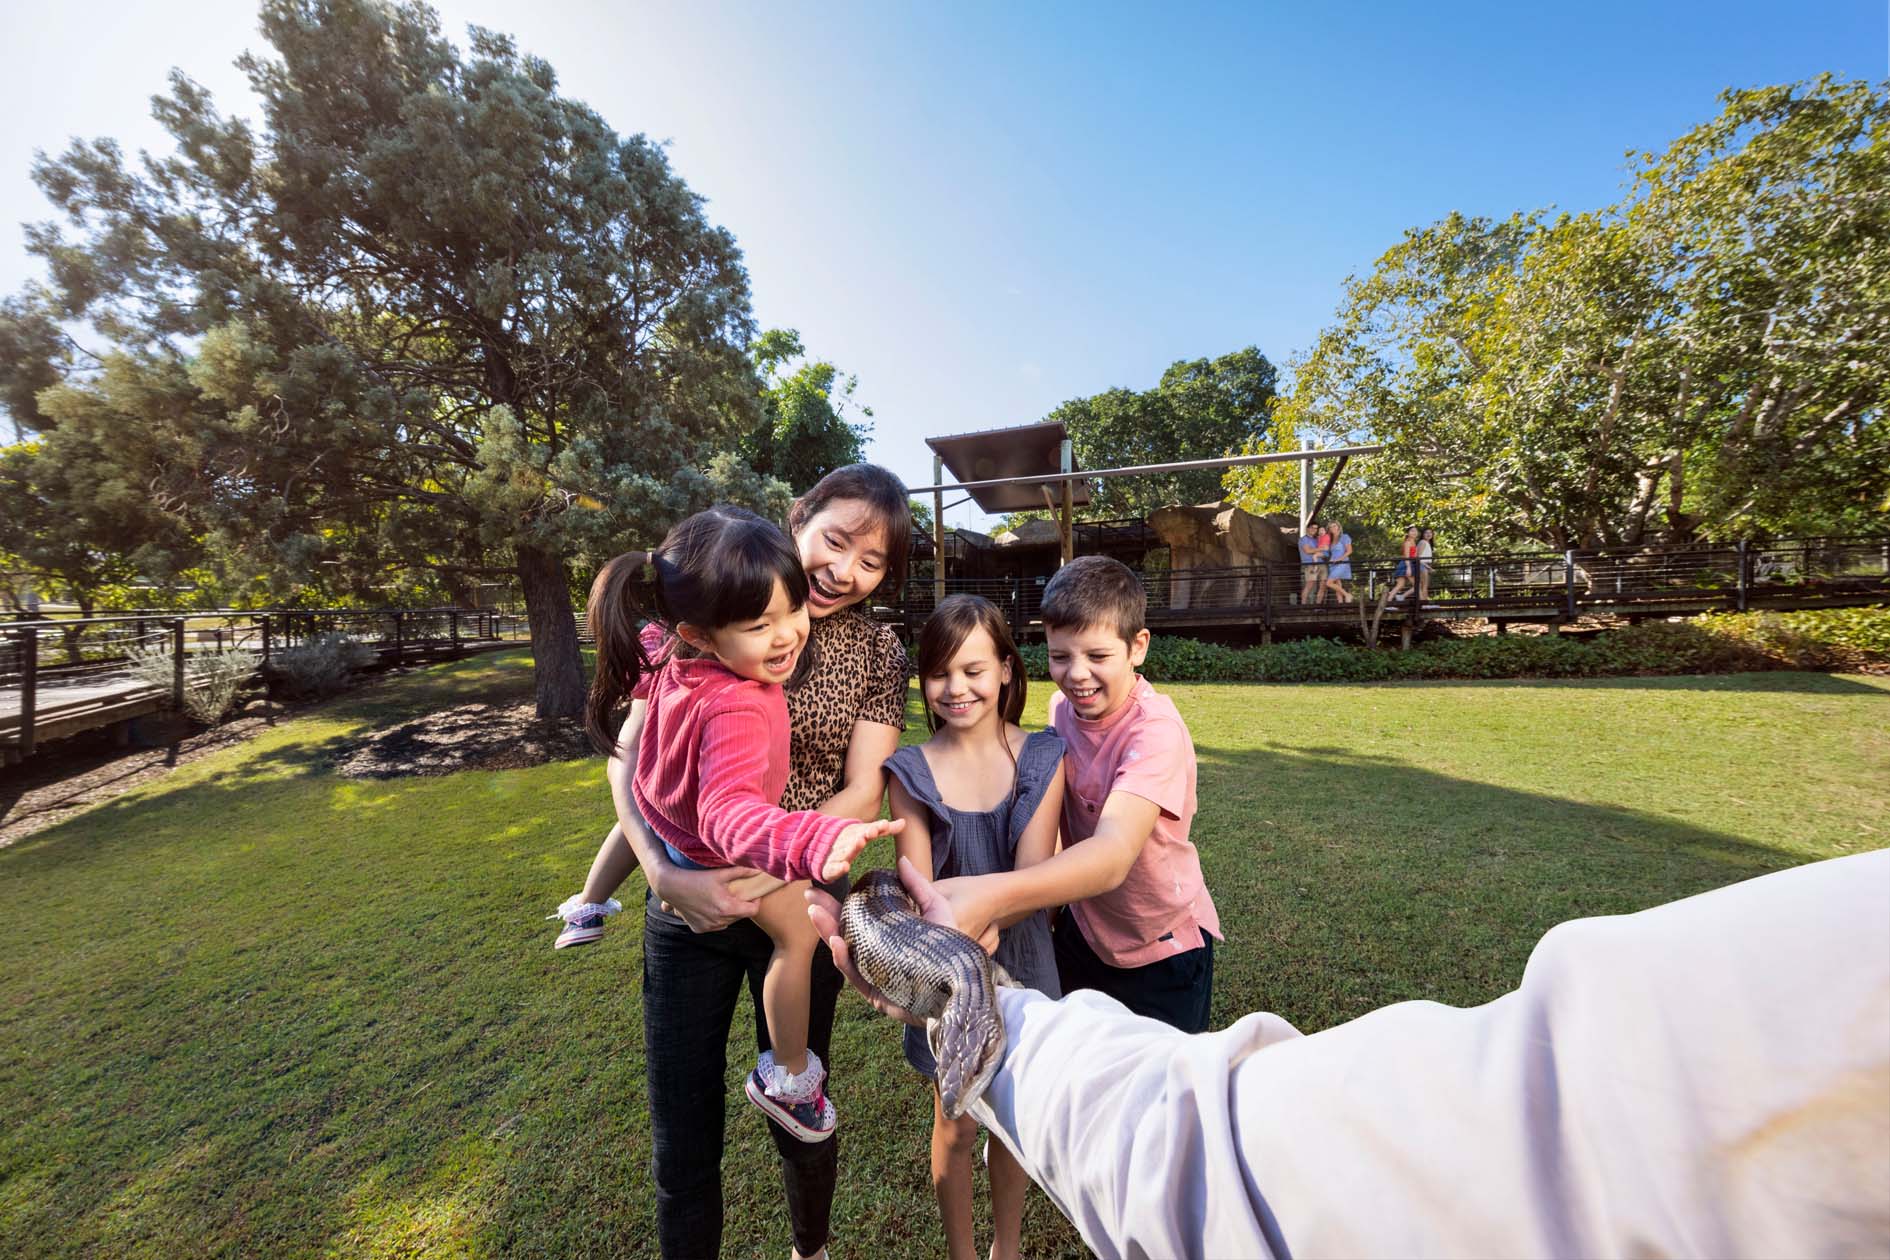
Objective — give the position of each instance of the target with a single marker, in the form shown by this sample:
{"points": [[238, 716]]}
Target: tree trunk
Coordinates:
{"points": [[75, 654], [557, 672]]}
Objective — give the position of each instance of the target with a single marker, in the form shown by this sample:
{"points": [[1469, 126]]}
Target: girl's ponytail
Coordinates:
{"points": [[614, 621]]}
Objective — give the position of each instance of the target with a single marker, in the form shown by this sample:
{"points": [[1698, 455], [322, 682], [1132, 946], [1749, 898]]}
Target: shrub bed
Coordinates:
{"points": [[1832, 638]]}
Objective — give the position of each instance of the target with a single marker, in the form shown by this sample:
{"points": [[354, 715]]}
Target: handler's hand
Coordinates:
{"points": [[825, 912], [706, 900]]}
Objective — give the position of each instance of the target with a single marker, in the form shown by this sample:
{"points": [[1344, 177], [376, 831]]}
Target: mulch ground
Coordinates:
{"points": [[465, 737]]}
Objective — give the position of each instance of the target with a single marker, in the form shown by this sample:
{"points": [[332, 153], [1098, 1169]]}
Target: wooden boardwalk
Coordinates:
{"points": [[42, 700], [1260, 602]]}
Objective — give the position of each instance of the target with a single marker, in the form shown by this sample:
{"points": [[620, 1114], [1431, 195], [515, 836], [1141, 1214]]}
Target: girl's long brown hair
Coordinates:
{"points": [[946, 631]]}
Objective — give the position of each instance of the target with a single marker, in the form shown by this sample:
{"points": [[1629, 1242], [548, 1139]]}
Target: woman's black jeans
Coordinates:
{"points": [[690, 986]]}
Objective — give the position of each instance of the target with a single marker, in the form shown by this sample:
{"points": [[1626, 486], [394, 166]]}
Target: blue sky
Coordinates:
{"points": [[983, 210]]}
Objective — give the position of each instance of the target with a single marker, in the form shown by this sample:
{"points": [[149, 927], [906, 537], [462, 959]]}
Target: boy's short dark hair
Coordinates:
{"points": [[1096, 591]]}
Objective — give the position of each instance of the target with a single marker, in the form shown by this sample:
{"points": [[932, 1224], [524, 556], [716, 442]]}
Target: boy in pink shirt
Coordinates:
{"points": [[1138, 922]]}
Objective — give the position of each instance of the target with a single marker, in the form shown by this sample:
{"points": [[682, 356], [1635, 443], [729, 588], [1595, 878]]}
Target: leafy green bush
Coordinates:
{"points": [[1815, 636], [1831, 638]]}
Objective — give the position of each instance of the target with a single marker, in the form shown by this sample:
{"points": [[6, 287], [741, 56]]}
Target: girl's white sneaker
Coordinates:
{"points": [[583, 920]]}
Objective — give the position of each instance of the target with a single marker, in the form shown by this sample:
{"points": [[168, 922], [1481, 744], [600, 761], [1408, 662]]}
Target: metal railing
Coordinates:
{"points": [[80, 667], [1792, 573]]}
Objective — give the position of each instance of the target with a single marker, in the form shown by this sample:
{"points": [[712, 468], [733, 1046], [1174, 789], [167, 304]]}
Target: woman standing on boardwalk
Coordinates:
{"points": [[1406, 572]]}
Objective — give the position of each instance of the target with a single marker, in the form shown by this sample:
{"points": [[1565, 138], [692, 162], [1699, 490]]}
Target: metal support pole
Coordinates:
{"points": [[177, 662], [29, 687], [455, 630], [1745, 575], [1568, 581], [938, 532], [265, 638], [399, 625], [1065, 533], [1305, 487]]}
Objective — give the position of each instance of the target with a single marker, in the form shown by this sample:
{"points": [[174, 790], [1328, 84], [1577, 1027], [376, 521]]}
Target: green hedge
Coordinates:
{"points": [[1837, 638]]}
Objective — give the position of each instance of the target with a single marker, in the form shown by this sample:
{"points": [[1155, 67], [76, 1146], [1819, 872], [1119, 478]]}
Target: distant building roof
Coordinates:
{"points": [[1020, 451]]}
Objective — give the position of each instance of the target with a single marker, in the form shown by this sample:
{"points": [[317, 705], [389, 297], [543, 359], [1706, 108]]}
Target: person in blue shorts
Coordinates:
{"points": [[1312, 569]]}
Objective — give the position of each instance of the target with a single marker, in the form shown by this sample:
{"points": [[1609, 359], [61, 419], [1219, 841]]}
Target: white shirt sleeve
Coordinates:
{"points": [[1710, 1077]]}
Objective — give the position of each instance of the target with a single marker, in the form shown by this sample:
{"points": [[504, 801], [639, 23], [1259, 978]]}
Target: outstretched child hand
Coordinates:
{"points": [[853, 841]]}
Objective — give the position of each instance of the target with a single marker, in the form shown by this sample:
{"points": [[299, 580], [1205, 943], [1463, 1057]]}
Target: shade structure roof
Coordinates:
{"points": [[1022, 451]]}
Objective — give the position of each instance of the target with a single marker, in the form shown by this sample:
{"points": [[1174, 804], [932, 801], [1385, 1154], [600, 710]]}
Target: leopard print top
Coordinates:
{"points": [[858, 674]]}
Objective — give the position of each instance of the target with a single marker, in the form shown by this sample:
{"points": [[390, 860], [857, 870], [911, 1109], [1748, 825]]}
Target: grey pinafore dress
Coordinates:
{"points": [[982, 844]]}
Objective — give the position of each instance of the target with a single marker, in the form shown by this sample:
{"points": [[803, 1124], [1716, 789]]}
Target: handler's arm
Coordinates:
{"points": [[1696, 1079]]}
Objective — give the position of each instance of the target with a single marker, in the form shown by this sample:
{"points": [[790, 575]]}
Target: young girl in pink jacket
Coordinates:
{"points": [[731, 628]]}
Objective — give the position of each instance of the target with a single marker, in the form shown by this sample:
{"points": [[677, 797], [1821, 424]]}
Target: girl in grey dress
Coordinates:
{"points": [[979, 797]]}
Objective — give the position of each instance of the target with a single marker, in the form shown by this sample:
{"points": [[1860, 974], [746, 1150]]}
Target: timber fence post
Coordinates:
{"points": [[29, 687], [1745, 576], [177, 663]]}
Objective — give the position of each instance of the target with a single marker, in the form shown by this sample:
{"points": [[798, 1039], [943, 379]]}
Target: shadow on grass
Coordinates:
{"points": [[1349, 881], [502, 677], [1798, 682]]}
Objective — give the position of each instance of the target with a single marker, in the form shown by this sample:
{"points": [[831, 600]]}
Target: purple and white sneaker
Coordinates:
{"points": [[797, 1103], [583, 920]]}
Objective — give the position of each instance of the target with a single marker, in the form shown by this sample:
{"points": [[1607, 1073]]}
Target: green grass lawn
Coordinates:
{"points": [[258, 1010]]}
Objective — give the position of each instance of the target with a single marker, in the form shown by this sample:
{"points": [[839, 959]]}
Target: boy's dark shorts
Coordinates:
{"points": [[1174, 990]]}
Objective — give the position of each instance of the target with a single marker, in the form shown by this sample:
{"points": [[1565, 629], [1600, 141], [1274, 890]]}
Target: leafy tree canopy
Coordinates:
{"points": [[803, 433], [1709, 358], [1201, 409]]}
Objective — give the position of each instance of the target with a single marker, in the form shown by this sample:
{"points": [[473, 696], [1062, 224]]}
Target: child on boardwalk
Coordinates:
{"points": [[979, 797], [713, 755], [1137, 922]]}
